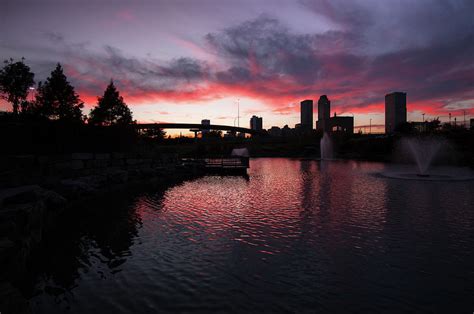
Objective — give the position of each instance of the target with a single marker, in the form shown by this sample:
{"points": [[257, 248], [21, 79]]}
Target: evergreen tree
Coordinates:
{"points": [[110, 109], [154, 134], [56, 98], [15, 81]]}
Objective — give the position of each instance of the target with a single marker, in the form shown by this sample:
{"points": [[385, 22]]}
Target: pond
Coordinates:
{"points": [[294, 236]]}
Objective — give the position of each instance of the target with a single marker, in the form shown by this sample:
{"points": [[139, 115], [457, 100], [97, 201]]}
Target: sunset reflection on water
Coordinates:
{"points": [[295, 235]]}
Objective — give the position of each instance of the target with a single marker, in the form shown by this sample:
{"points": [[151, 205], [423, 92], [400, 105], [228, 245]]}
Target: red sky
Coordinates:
{"points": [[184, 61]]}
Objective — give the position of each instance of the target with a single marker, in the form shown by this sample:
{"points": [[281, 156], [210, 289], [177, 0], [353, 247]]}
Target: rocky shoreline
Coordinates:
{"points": [[27, 212]]}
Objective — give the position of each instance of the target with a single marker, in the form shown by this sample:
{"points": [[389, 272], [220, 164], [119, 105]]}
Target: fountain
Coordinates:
{"points": [[423, 151], [326, 147]]}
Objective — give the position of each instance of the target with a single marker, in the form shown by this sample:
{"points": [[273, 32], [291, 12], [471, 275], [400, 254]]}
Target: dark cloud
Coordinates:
{"points": [[262, 48], [399, 24], [54, 37], [234, 75], [185, 68], [177, 69], [424, 48], [90, 70], [442, 70], [345, 13]]}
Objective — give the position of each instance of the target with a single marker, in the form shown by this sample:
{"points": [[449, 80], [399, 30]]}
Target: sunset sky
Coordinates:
{"points": [[183, 61]]}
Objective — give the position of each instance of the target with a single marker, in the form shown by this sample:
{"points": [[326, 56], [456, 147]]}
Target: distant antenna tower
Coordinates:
{"points": [[238, 112]]}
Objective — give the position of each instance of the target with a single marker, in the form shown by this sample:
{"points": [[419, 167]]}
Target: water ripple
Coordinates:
{"points": [[296, 236]]}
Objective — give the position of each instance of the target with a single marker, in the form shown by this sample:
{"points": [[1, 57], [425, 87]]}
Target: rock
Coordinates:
{"points": [[53, 200], [117, 176], [97, 180], [101, 163], [7, 257], [82, 156], [54, 290], [63, 165], [77, 165], [147, 161], [31, 195], [17, 214], [42, 160], [147, 172], [4, 163], [24, 161], [11, 300], [51, 180], [83, 185], [75, 188], [118, 155], [134, 174], [102, 156], [34, 213], [6, 243], [7, 228], [9, 179], [97, 163], [117, 162], [132, 162], [20, 195]]}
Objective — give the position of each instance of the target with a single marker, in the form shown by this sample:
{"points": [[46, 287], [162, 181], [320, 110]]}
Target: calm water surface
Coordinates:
{"points": [[295, 236]]}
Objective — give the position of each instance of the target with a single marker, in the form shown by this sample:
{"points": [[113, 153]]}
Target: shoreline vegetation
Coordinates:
{"points": [[28, 147]]}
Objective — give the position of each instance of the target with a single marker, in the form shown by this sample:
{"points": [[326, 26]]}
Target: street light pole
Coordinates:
{"points": [[370, 126], [238, 112], [423, 117]]}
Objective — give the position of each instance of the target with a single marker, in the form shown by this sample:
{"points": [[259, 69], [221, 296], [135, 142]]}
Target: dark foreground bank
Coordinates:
{"points": [[29, 212]]}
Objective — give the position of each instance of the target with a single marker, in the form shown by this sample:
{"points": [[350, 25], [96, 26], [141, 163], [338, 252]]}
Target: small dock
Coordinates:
{"points": [[234, 165]]}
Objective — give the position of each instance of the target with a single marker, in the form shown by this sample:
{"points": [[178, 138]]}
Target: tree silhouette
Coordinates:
{"points": [[433, 125], [110, 109], [15, 81], [213, 134], [154, 134], [56, 98]]}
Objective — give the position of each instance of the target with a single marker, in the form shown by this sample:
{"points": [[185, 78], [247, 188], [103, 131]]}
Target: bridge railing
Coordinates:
{"points": [[217, 162], [227, 162]]}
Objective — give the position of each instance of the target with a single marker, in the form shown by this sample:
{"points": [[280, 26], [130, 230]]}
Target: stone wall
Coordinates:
{"points": [[21, 170], [25, 212]]}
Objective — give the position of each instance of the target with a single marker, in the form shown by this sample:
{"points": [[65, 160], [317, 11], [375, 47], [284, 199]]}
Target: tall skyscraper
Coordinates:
{"points": [[395, 111], [256, 123], [205, 122], [307, 114], [324, 112]]}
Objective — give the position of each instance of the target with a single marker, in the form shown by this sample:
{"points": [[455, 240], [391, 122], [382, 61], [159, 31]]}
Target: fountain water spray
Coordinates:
{"points": [[326, 147], [423, 151]]}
